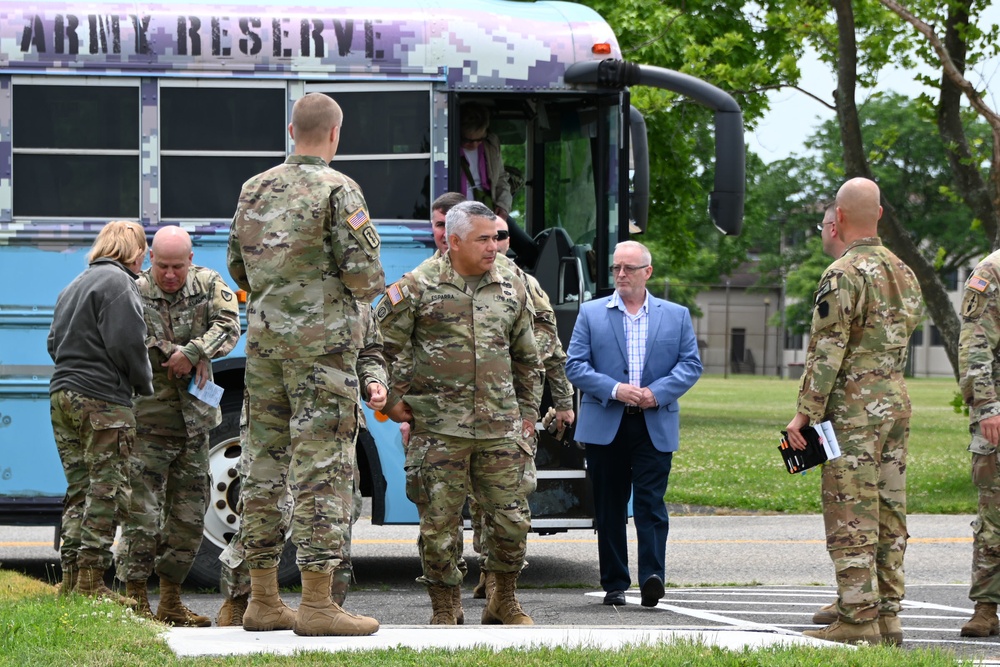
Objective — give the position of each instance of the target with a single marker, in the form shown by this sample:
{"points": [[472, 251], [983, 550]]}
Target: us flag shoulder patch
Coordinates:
{"points": [[395, 294], [978, 284], [358, 219]]}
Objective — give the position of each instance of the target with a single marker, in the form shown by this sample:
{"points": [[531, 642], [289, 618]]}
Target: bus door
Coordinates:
{"points": [[565, 157]]}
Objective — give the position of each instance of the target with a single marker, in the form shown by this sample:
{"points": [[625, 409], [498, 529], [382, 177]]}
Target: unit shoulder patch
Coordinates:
{"points": [[371, 236], [825, 302], [361, 227], [829, 285]]}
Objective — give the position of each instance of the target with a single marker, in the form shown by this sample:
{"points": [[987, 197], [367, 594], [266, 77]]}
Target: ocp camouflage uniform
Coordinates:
{"points": [[866, 308], [235, 575], [304, 248], [94, 438], [553, 357], [464, 359], [169, 463], [979, 373]]}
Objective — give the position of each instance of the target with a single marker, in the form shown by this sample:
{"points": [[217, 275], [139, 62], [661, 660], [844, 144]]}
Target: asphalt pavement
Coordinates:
{"points": [[732, 580]]}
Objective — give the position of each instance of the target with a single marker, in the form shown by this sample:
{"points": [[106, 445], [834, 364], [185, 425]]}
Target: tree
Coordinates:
{"points": [[858, 39], [877, 30], [908, 160], [953, 55]]}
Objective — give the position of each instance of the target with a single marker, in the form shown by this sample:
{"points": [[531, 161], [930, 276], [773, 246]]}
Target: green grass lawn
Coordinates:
{"points": [[729, 449]]}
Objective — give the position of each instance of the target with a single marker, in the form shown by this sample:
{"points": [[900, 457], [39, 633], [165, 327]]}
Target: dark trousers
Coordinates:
{"points": [[629, 464]]}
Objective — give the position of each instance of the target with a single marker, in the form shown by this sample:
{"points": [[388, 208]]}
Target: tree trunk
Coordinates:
{"points": [[968, 178], [856, 164]]}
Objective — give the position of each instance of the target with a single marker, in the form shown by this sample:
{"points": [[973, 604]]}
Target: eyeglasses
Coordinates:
{"points": [[502, 235], [629, 269], [470, 140], [819, 227]]}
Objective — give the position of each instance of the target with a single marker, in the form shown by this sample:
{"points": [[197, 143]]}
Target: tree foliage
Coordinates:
{"points": [[909, 161], [907, 157]]}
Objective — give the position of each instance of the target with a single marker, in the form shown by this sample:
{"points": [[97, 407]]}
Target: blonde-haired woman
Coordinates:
{"points": [[97, 342]]}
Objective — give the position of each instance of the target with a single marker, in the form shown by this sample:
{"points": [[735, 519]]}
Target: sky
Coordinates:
{"points": [[794, 116]]}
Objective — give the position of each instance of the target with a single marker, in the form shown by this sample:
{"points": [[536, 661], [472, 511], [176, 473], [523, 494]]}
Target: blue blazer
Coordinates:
{"points": [[597, 360]]}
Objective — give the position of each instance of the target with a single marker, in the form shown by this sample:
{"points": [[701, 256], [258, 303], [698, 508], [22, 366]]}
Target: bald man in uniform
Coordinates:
{"points": [[866, 308], [191, 317]]}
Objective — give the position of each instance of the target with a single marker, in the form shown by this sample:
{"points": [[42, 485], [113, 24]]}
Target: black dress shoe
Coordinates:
{"points": [[652, 591], [616, 598]]}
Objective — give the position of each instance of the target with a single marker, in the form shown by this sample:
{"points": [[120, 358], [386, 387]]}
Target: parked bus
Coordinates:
{"points": [[159, 113]]}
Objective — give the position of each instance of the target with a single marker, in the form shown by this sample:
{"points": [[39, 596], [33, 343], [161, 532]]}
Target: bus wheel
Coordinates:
{"points": [[221, 518]]}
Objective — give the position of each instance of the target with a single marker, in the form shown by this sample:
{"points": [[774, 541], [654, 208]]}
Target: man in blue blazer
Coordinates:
{"points": [[632, 356]]}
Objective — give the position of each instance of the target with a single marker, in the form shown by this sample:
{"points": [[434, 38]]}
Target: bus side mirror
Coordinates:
{"points": [[639, 187], [726, 202]]}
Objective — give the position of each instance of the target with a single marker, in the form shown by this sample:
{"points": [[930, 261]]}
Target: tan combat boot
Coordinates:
{"points": [[70, 574], [231, 612], [502, 605], [137, 591], [90, 582], [443, 604], [456, 602], [479, 592], [491, 584], [341, 584], [266, 611], [984, 621], [848, 633], [319, 616], [826, 615], [891, 629], [173, 612]]}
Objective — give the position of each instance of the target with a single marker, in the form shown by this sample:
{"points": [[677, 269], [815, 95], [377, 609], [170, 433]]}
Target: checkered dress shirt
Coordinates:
{"points": [[636, 332]]}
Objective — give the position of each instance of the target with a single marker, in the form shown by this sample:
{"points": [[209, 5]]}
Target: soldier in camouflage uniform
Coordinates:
{"points": [[439, 210], [191, 317], [464, 369], [867, 306], [234, 580], [979, 377], [553, 357], [97, 344], [304, 248]]}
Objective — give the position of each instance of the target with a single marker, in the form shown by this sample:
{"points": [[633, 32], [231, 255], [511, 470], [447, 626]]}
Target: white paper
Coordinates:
{"points": [[829, 439], [211, 393]]}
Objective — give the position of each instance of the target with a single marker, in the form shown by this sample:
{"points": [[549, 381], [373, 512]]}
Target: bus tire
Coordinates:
{"points": [[221, 518]]}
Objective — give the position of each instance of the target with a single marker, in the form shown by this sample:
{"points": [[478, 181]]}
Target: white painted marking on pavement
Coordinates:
{"points": [[937, 607], [705, 615]]}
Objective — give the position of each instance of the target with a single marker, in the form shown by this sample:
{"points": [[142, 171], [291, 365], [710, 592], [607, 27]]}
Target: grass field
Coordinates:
{"points": [[729, 457]]}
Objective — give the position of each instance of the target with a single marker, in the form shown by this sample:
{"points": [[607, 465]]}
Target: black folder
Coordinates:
{"points": [[800, 460]]}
